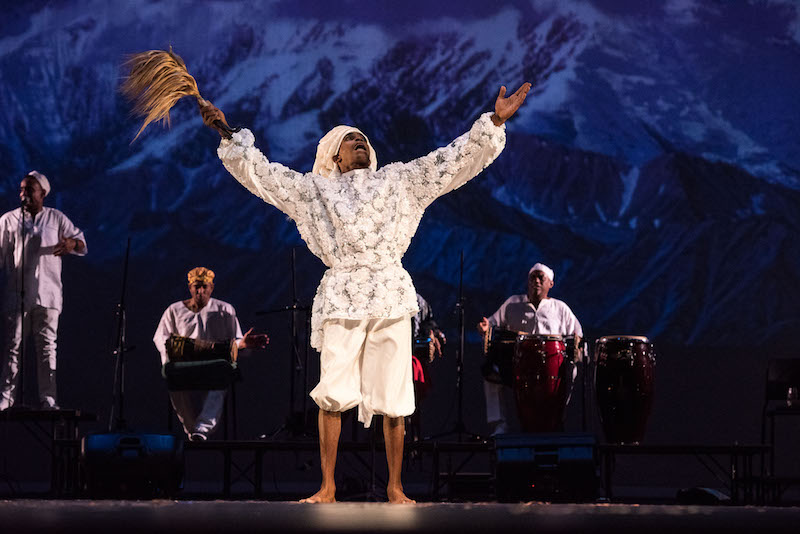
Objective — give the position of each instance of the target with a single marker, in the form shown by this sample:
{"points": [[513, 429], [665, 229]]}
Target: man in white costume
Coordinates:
{"points": [[209, 319], [49, 235], [532, 313], [359, 221]]}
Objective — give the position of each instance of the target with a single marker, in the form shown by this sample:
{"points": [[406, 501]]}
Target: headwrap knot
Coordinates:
{"points": [[200, 274]]}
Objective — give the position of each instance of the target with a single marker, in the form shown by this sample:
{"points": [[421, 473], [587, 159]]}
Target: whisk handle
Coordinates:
{"points": [[225, 130]]}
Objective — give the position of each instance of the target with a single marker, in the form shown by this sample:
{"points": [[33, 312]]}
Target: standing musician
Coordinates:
{"points": [[209, 319], [359, 221], [49, 235], [428, 340], [531, 313]]}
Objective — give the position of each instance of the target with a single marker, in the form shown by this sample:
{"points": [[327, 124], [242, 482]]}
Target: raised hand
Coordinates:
{"points": [[505, 107], [212, 117]]}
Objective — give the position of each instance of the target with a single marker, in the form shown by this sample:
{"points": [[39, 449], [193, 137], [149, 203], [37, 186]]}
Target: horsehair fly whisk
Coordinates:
{"points": [[156, 81]]}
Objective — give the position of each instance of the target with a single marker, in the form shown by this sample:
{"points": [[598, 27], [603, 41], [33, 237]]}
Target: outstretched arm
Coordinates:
{"points": [[272, 182], [451, 166], [253, 341], [504, 107]]}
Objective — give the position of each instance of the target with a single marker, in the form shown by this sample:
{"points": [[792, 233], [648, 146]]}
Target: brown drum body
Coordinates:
{"points": [[499, 365], [541, 385], [186, 349], [625, 382]]}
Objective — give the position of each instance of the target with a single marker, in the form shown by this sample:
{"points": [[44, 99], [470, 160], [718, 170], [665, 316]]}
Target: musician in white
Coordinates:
{"points": [[532, 313], [49, 235], [210, 319], [359, 221]]}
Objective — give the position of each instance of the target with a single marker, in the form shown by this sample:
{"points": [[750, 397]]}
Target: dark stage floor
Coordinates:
{"points": [[259, 516]]}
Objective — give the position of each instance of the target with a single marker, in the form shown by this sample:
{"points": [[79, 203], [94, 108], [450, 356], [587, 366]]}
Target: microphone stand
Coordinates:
{"points": [[460, 428], [295, 423], [118, 423], [20, 404]]}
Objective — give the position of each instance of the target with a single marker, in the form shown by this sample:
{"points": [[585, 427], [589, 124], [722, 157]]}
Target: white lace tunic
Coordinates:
{"points": [[361, 223]]}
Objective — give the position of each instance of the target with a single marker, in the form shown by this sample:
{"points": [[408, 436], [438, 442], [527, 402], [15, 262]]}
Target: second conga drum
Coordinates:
{"points": [[540, 386], [624, 380]]}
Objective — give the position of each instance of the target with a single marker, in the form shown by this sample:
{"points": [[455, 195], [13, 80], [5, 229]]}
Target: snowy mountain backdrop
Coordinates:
{"points": [[655, 165]]}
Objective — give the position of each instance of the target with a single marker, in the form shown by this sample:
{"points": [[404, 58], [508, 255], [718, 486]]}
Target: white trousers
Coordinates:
{"points": [[199, 411], [366, 363], [501, 408], [43, 323]]}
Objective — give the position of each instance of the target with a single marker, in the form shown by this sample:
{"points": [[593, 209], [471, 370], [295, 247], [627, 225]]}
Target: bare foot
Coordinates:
{"points": [[323, 495], [396, 496]]}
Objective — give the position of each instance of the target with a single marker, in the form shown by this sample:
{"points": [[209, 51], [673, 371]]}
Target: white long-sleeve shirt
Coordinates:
{"points": [[361, 223], [216, 321], [552, 316], [42, 268]]}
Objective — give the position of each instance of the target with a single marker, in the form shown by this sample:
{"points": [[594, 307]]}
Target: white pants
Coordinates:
{"points": [[199, 411], [501, 408], [366, 363], [43, 323]]}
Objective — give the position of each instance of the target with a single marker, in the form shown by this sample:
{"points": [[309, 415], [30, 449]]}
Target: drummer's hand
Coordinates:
{"points": [[435, 346], [253, 341], [212, 113], [483, 326]]}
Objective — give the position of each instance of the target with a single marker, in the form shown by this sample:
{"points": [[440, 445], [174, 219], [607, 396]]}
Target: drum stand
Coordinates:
{"points": [[584, 382], [296, 423], [460, 428]]}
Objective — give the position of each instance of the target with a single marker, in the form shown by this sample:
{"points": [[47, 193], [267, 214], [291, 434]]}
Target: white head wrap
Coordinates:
{"points": [[545, 269], [42, 179], [329, 146]]}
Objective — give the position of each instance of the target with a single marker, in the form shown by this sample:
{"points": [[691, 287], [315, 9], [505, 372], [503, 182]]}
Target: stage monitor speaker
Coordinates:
{"points": [[557, 467], [132, 465]]}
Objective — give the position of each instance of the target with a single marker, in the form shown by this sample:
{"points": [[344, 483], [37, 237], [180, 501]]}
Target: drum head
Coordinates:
{"points": [[606, 339], [542, 337]]}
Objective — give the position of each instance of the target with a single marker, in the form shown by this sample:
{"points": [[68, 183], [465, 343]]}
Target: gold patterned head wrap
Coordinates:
{"points": [[329, 146], [200, 274]]}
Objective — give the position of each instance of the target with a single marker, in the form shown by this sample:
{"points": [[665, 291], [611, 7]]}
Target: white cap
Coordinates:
{"points": [[42, 179], [545, 269]]}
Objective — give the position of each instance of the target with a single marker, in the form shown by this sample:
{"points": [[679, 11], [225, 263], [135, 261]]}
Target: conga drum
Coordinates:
{"points": [[541, 384], [624, 381], [499, 349], [199, 364], [186, 349]]}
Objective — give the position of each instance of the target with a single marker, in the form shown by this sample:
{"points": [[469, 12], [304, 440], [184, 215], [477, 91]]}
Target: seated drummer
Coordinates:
{"points": [[533, 313], [201, 317]]}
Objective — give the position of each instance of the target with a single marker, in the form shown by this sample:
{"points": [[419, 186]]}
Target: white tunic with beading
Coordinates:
{"points": [[361, 223]]}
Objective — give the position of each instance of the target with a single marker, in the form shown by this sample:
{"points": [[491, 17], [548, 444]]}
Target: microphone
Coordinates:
{"points": [[25, 199]]}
